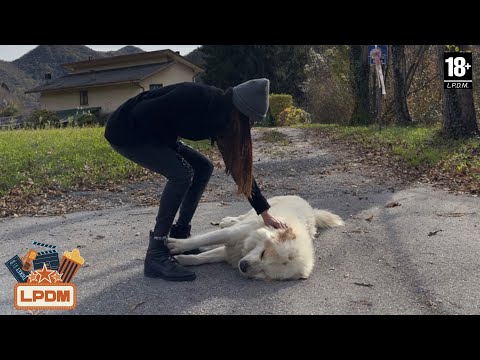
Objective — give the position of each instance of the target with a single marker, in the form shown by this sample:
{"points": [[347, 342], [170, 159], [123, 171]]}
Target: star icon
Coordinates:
{"points": [[33, 277], [45, 274], [56, 277]]}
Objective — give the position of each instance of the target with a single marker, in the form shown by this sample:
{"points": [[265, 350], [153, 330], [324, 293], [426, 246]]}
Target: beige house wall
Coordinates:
{"points": [[109, 97], [174, 74]]}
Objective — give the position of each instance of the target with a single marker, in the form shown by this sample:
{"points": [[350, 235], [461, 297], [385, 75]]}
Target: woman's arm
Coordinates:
{"points": [[261, 206]]}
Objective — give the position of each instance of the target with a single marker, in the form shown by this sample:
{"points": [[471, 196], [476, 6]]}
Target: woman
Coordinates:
{"points": [[146, 129]]}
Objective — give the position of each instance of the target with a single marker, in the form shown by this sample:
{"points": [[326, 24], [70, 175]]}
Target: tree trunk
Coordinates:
{"points": [[399, 85], [459, 115], [360, 75]]}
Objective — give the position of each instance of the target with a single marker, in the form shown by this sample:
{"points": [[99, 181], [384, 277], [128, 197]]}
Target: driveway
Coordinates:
{"points": [[405, 249]]}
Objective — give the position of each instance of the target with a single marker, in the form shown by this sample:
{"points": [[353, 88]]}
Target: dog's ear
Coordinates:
{"points": [[284, 235], [270, 250]]}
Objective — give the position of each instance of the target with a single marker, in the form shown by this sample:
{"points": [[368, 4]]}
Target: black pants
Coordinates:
{"points": [[187, 171]]}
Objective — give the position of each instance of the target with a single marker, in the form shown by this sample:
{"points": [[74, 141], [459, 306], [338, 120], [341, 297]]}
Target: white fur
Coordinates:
{"points": [[270, 253]]}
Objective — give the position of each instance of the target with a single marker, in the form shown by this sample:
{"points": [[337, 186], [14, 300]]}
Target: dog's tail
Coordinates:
{"points": [[325, 219]]}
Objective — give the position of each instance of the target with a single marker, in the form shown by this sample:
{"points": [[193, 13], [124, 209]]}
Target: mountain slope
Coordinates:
{"points": [[15, 82], [49, 58], [29, 70]]}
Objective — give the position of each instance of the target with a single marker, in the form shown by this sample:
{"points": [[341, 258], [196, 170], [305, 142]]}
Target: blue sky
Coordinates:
{"points": [[13, 52]]}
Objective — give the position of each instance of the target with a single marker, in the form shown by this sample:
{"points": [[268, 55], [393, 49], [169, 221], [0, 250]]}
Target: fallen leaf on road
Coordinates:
{"points": [[363, 302], [137, 305], [432, 304], [431, 233], [359, 231], [370, 218], [363, 284], [392, 204]]}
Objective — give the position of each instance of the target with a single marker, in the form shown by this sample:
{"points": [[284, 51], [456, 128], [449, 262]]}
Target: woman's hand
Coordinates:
{"points": [[272, 221]]}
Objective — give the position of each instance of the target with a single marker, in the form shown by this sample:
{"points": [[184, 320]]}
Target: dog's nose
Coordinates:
{"points": [[243, 266]]}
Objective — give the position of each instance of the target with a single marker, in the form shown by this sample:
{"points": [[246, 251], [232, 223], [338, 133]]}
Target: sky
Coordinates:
{"points": [[13, 52]]}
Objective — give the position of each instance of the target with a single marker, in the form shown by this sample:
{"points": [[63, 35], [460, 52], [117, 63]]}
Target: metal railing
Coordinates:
{"points": [[11, 122]]}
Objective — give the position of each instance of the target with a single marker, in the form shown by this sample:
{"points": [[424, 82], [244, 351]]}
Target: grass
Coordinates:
{"points": [[415, 146], [38, 159], [274, 136], [63, 157]]}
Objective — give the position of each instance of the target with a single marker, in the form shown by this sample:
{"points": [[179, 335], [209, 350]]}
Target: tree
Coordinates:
{"points": [[458, 106], [360, 86], [399, 84], [327, 87], [283, 65]]}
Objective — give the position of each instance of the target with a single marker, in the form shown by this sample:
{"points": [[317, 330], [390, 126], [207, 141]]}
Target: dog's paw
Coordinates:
{"points": [[182, 259], [176, 246], [228, 221]]}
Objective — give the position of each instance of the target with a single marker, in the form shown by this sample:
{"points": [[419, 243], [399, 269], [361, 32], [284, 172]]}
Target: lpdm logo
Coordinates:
{"points": [[44, 282]]}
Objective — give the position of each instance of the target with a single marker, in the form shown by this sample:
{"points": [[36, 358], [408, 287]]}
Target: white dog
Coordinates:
{"points": [[263, 252]]}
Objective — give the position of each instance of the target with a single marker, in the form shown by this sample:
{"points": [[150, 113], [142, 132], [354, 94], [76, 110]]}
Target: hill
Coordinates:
{"points": [[29, 70], [14, 82], [49, 58]]}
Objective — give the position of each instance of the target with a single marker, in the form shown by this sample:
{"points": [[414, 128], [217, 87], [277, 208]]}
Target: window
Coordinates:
{"points": [[155, 86], [83, 98]]}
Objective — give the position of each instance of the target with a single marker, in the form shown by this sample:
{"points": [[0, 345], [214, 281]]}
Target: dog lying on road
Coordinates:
{"points": [[262, 252]]}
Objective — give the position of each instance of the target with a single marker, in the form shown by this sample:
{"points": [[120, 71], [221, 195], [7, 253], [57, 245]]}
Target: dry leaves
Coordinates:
{"points": [[431, 233], [392, 204]]}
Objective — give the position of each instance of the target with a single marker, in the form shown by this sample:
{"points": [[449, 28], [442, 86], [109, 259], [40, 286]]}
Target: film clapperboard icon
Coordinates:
{"points": [[47, 257]]}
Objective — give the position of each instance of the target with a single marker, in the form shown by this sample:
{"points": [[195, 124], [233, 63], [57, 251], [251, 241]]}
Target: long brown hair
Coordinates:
{"points": [[235, 145]]}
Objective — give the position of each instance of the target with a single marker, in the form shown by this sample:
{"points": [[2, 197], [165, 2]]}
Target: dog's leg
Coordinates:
{"points": [[228, 221], [216, 237], [207, 257], [233, 220]]}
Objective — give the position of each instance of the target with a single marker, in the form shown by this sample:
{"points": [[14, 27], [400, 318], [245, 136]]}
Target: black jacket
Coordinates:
{"points": [[187, 110]]}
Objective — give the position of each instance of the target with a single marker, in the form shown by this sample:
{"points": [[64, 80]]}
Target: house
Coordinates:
{"points": [[101, 85]]}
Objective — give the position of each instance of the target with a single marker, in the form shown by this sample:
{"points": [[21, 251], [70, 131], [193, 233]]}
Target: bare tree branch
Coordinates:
{"points": [[414, 65], [424, 85]]}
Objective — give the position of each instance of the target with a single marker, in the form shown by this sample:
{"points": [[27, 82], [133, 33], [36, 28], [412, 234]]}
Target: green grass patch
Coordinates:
{"points": [[63, 157], [415, 146]]}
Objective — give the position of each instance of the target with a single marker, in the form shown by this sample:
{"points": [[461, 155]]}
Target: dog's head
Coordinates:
{"points": [[276, 255]]}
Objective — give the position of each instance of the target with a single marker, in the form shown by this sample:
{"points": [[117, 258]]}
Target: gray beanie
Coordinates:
{"points": [[251, 98]]}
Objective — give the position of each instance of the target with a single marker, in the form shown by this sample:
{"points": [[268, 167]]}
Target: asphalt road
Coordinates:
{"points": [[421, 257]]}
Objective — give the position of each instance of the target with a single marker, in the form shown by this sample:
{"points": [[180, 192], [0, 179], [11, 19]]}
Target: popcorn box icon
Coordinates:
{"points": [[70, 264]]}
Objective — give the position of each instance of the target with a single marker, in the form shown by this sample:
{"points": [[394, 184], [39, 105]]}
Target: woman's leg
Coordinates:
{"points": [[202, 168], [165, 161]]}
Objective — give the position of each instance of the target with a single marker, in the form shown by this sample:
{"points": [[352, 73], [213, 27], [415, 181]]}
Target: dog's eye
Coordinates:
{"points": [[261, 255]]}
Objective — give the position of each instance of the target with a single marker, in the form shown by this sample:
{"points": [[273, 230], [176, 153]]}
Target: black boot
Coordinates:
{"points": [[180, 231], [160, 263], [183, 232]]}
